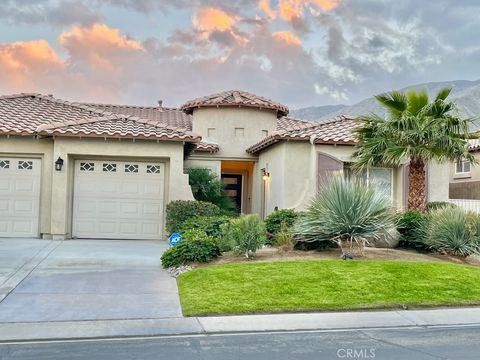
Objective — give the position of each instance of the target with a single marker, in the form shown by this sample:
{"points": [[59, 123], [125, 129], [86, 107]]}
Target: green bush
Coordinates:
{"points": [[451, 231], [346, 209], [435, 205], [180, 211], [274, 221], [408, 226], [245, 234], [196, 246], [284, 238], [209, 224], [206, 186]]}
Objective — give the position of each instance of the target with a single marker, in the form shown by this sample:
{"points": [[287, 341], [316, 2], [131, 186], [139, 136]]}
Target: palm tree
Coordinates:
{"points": [[416, 130]]}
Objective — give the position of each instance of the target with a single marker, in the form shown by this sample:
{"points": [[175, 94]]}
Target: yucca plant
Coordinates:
{"points": [[452, 231], [348, 212]]}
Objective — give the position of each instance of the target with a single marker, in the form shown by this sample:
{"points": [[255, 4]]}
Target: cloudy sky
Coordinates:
{"points": [[299, 52]]}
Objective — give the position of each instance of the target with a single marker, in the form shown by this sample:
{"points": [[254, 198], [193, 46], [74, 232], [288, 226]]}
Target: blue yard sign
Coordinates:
{"points": [[174, 239]]}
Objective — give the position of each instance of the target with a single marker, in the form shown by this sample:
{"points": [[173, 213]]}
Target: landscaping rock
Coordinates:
{"points": [[388, 241], [178, 270]]}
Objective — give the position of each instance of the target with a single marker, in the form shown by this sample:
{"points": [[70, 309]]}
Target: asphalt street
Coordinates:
{"points": [[389, 344]]}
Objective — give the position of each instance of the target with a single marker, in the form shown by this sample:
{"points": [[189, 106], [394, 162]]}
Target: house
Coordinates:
{"points": [[83, 170], [465, 177]]}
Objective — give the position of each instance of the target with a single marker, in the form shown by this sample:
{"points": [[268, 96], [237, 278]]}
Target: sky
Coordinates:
{"points": [[298, 52]]}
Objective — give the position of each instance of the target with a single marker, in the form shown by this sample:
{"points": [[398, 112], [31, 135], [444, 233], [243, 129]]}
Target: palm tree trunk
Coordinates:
{"points": [[417, 197]]}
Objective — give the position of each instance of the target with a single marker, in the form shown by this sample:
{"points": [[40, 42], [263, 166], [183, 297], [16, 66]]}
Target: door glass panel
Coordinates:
{"points": [[382, 180], [230, 181]]}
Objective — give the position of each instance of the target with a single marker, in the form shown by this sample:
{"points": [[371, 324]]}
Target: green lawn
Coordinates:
{"points": [[325, 285]]}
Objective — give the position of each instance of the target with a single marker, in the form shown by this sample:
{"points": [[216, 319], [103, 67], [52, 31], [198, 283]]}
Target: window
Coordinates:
{"points": [[107, 167], [25, 165], [211, 132], [462, 167], [381, 178], [87, 166], [131, 168], [153, 169], [4, 164], [264, 133], [239, 132]]}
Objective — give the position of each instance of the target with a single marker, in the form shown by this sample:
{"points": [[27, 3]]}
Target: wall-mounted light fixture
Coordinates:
{"points": [[265, 174], [59, 164]]}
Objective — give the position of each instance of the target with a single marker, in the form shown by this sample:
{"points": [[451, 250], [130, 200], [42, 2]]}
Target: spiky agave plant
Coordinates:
{"points": [[452, 231], [346, 210]]}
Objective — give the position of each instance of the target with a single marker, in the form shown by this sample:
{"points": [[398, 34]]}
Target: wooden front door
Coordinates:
{"points": [[233, 189]]}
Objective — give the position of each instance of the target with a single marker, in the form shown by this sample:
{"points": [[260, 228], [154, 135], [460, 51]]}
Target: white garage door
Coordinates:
{"points": [[118, 200], [19, 197]]}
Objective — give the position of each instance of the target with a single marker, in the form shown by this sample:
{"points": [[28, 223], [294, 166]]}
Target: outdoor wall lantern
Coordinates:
{"points": [[265, 174], [59, 164]]}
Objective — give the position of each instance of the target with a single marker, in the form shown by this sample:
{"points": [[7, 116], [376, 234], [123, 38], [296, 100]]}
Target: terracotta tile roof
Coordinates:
{"points": [[207, 147], [235, 98], [169, 116], [333, 131], [35, 114]]}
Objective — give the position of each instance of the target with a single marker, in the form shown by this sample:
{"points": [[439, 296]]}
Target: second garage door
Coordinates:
{"points": [[118, 200]]}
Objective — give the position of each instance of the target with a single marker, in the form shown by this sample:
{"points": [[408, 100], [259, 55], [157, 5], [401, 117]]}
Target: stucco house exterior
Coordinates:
{"points": [[465, 177], [84, 170]]}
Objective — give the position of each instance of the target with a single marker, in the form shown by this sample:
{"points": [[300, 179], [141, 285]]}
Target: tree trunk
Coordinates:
{"points": [[417, 197]]}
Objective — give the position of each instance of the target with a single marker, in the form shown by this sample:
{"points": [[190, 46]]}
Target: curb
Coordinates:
{"points": [[104, 329]]}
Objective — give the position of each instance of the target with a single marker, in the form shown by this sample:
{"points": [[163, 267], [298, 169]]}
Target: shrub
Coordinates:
{"points": [[452, 231], [180, 211], [209, 224], [206, 186], [434, 205], [284, 238], [274, 221], [408, 226], [196, 246], [346, 210], [246, 234]]}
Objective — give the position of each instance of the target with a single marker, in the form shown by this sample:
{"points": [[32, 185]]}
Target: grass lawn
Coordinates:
{"points": [[325, 285]]}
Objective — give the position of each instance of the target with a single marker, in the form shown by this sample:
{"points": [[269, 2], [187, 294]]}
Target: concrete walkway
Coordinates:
{"points": [[82, 280], [238, 324]]}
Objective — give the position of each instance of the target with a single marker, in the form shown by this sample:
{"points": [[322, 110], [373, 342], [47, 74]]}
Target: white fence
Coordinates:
{"points": [[469, 205]]}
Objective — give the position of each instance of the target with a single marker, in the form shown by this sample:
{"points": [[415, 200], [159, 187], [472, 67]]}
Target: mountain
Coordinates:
{"points": [[465, 93], [315, 112]]}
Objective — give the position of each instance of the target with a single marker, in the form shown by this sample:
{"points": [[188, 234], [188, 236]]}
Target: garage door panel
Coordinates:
{"points": [[118, 200], [19, 197]]}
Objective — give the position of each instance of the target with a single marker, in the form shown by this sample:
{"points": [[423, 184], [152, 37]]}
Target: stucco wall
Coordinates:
{"points": [[438, 184], [225, 121], [293, 181], [16, 146]]}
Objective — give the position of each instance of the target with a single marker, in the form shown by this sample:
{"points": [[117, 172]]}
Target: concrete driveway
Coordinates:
{"points": [[71, 280]]}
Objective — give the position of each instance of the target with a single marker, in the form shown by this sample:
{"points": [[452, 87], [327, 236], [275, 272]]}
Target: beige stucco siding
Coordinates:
{"points": [[293, 180], [42, 149], [228, 124], [438, 185]]}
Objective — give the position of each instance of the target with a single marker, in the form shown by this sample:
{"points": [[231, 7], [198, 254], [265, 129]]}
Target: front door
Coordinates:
{"points": [[233, 189]]}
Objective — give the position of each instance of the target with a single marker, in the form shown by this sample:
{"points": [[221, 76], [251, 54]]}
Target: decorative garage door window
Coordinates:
{"points": [[4, 164], [107, 167], [131, 168], [153, 169], [87, 166], [25, 165]]}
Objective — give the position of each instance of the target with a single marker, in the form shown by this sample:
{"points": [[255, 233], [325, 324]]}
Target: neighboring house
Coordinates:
{"points": [[465, 177], [108, 171]]}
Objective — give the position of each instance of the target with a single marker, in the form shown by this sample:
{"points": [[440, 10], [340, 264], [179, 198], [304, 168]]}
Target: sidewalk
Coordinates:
{"points": [[28, 331]]}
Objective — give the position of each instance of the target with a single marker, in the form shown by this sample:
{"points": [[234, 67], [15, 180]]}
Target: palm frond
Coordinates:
{"points": [[443, 93]]}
